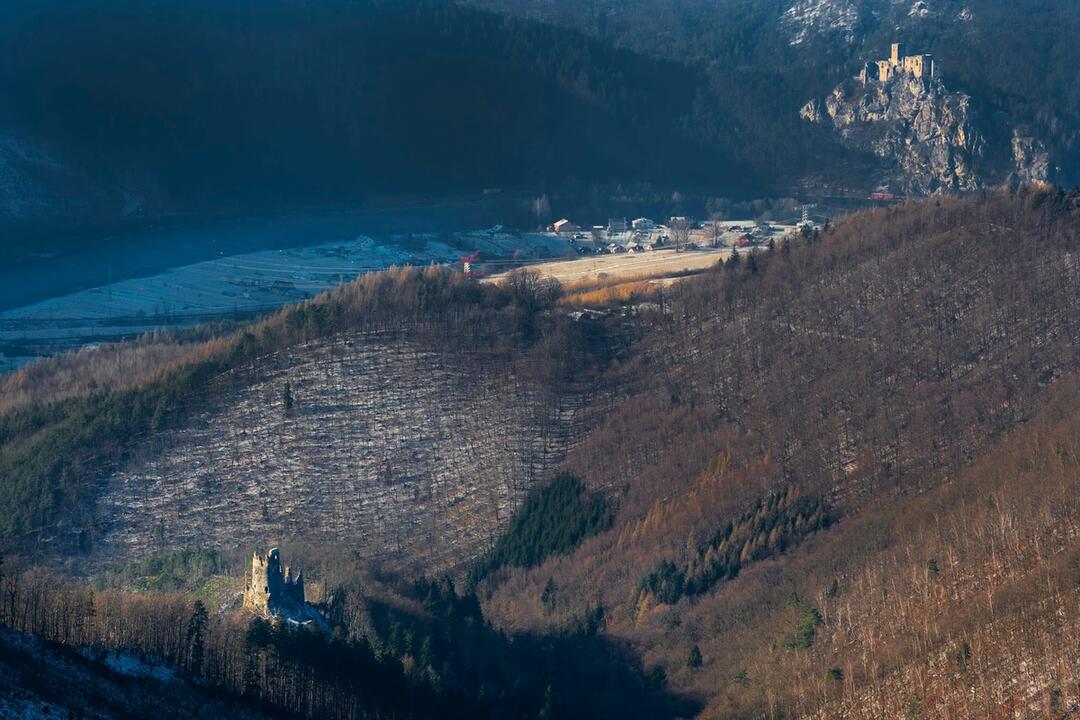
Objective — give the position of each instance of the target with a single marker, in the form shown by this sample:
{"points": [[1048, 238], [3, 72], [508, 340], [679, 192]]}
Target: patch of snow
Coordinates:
{"points": [[132, 666], [807, 18], [30, 709]]}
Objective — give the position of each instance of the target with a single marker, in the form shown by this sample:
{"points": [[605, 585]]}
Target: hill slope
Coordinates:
{"points": [[405, 414], [818, 422], [42, 679], [408, 454], [834, 476]]}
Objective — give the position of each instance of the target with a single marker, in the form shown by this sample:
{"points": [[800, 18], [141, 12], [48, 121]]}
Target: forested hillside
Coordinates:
{"points": [[170, 108], [815, 471], [835, 476], [128, 112], [44, 679], [765, 58], [816, 425], [340, 419]]}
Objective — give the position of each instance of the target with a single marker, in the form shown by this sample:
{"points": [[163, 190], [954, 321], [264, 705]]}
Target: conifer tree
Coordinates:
{"points": [[287, 397], [196, 631]]}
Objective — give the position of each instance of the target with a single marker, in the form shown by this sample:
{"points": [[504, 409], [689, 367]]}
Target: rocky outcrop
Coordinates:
{"points": [[925, 131], [931, 139], [1031, 161], [807, 19]]}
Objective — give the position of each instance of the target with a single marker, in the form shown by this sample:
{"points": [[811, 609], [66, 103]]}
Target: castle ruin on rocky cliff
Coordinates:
{"points": [[920, 66], [272, 590]]}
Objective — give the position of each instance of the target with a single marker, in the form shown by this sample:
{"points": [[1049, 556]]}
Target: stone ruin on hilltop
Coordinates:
{"points": [[273, 591]]}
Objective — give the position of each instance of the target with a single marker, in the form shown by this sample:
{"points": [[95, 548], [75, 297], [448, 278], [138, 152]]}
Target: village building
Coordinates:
{"points": [[564, 226], [616, 225]]}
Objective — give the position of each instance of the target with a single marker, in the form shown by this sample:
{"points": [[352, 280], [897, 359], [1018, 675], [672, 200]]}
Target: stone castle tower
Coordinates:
{"points": [[920, 66], [272, 590]]}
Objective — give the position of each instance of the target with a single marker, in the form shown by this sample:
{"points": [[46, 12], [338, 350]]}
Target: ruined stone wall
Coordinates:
{"points": [[270, 589], [257, 593], [919, 65], [885, 70]]}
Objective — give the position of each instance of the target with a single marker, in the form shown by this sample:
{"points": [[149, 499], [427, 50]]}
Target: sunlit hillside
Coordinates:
{"points": [[832, 476]]}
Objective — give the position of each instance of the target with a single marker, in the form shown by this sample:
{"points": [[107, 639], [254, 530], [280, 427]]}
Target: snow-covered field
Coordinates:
{"points": [[235, 286]]}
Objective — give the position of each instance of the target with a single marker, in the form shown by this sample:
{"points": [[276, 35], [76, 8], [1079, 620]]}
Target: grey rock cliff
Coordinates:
{"points": [[1031, 161], [931, 139]]}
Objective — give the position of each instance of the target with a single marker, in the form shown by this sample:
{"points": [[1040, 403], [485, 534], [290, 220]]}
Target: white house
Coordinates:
{"points": [[564, 226]]}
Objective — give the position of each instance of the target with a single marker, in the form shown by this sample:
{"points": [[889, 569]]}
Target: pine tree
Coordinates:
{"points": [[547, 712], [157, 421], [196, 631], [287, 397], [547, 598], [694, 661], [426, 657]]}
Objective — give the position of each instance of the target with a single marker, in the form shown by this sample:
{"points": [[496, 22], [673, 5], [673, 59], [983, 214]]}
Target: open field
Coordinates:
{"points": [[656, 264], [629, 266]]}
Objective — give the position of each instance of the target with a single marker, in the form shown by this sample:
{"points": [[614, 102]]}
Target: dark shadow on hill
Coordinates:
{"points": [[39, 678], [576, 672], [252, 105]]}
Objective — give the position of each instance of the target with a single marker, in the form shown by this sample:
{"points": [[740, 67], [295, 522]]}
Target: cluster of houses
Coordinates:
{"points": [[643, 234], [618, 236]]}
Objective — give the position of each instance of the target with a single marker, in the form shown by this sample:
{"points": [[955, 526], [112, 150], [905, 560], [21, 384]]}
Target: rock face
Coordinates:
{"points": [[931, 139], [1031, 161], [808, 18], [918, 125]]}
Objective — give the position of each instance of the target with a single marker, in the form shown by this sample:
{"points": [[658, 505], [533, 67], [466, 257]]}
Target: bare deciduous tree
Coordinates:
{"points": [[679, 229]]}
